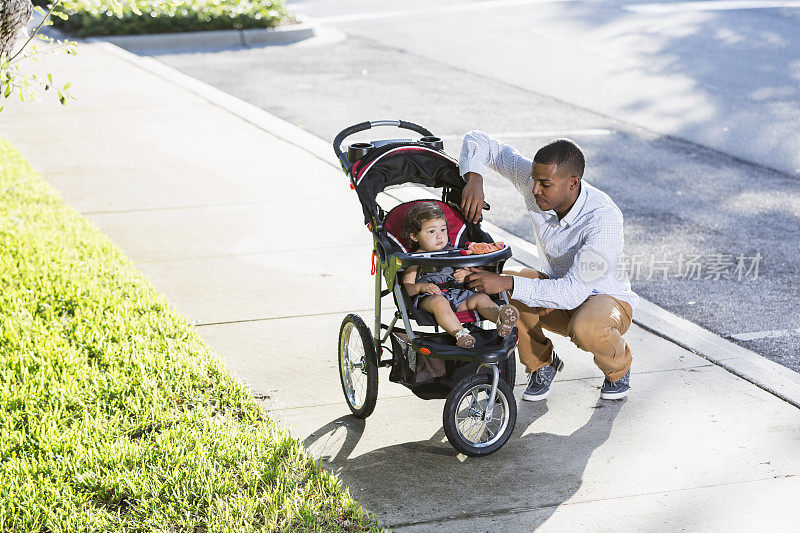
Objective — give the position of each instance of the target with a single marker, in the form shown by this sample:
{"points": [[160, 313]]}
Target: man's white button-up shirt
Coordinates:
{"points": [[582, 251]]}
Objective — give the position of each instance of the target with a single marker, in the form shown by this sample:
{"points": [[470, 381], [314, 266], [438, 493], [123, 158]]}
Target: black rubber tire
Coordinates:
{"points": [[504, 398], [510, 374], [353, 323]]}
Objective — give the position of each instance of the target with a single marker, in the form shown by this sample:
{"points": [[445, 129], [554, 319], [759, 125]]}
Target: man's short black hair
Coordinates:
{"points": [[565, 154]]}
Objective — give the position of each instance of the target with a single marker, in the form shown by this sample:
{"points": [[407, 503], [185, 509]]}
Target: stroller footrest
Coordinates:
{"points": [[489, 347]]}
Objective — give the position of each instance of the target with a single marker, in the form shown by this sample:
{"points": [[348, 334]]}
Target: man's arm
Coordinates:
{"points": [[596, 259], [479, 150]]}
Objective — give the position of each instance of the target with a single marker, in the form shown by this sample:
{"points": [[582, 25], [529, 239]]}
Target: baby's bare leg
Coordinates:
{"points": [[483, 304], [491, 311], [440, 307]]}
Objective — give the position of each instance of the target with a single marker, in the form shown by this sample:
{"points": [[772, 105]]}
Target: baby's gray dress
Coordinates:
{"points": [[443, 277]]}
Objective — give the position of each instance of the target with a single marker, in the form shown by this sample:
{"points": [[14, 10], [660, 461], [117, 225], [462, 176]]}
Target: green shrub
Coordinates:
{"points": [[98, 17], [114, 414]]}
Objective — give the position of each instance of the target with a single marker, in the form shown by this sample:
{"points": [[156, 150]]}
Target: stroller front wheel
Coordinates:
{"points": [[358, 366], [468, 426]]}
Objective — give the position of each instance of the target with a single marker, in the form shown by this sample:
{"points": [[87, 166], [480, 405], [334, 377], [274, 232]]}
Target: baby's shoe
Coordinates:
{"points": [[506, 319], [464, 339]]}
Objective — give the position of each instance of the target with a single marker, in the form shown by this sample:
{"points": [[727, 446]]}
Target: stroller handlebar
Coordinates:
{"points": [[363, 126]]}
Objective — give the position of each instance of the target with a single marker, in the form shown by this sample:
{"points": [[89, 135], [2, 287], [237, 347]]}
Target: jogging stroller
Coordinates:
{"points": [[480, 410]]}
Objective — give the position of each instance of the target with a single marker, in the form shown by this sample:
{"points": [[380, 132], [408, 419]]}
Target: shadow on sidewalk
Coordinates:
{"points": [[427, 481]]}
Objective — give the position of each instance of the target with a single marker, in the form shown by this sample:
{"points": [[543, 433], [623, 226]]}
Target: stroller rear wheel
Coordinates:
{"points": [[358, 366], [467, 424]]}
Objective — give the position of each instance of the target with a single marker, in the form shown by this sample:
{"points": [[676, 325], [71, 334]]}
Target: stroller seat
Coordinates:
{"points": [[456, 231]]}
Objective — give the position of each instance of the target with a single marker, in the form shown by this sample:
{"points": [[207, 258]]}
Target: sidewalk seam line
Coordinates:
{"points": [[522, 384], [174, 208], [245, 254], [245, 320]]}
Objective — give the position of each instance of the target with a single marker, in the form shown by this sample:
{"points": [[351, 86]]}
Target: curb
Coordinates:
{"points": [[193, 40], [746, 364]]}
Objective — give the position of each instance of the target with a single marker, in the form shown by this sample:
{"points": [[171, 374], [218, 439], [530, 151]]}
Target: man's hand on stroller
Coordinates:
{"points": [[472, 197], [489, 282]]}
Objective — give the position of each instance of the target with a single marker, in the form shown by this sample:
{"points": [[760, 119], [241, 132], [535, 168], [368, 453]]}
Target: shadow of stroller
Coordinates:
{"points": [[427, 481]]}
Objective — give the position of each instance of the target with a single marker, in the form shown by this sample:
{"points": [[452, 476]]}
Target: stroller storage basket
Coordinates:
{"points": [[431, 377]]}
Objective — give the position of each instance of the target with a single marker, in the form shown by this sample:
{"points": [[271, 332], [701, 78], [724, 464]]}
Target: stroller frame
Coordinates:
{"points": [[489, 390]]}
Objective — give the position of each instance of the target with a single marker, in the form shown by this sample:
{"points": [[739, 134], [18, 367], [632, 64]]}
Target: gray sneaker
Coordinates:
{"points": [[539, 382], [616, 390]]}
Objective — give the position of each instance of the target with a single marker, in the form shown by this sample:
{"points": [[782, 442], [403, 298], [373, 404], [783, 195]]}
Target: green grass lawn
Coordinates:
{"points": [[114, 415]]}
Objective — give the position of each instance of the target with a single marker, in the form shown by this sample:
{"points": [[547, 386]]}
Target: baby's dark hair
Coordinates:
{"points": [[415, 217]]}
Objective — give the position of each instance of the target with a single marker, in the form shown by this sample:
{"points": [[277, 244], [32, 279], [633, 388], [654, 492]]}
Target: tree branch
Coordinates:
{"points": [[39, 27], [53, 48]]}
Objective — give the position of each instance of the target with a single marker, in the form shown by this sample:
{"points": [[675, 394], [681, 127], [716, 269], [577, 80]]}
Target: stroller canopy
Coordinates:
{"points": [[399, 163]]}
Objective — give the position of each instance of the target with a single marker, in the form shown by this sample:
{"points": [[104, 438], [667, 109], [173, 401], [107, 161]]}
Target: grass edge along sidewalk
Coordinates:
{"points": [[87, 18], [114, 414]]}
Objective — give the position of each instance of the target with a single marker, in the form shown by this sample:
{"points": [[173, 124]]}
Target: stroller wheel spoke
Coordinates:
{"points": [[472, 425], [470, 415], [474, 430]]}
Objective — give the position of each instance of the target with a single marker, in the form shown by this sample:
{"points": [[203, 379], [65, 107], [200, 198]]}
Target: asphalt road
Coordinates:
{"points": [[690, 210], [708, 72]]}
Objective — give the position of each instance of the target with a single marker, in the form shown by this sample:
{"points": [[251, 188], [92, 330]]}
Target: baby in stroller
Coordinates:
{"points": [[441, 291]]}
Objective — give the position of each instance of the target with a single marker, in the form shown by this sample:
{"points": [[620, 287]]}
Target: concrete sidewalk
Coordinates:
{"points": [[261, 244]]}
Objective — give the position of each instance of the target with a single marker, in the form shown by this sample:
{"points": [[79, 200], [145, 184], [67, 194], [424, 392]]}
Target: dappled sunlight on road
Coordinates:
{"points": [[726, 79]]}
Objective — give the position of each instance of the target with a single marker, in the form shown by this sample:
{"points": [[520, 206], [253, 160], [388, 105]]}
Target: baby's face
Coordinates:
{"points": [[433, 235]]}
